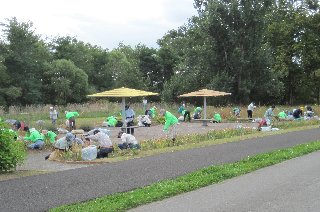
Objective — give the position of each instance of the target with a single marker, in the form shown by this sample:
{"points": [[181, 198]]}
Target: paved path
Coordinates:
{"points": [[35, 161], [41, 192], [291, 186]]}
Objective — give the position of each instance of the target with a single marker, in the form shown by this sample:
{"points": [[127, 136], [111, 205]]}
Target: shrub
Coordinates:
{"points": [[12, 152]]}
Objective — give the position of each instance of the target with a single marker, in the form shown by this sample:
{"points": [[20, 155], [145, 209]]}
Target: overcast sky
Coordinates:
{"points": [[105, 23]]}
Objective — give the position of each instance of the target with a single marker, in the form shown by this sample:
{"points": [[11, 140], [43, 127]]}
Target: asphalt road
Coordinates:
{"points": [[41, 192], [291, 186]]}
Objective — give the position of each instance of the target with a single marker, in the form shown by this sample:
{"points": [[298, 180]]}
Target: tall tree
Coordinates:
{"points": [[24, 60], [150, 67], [293, 40], [124, 65], [64, 82]]}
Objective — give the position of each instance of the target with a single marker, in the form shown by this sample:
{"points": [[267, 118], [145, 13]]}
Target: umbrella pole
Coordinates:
{"points": [[205, 107], [123, 111]]}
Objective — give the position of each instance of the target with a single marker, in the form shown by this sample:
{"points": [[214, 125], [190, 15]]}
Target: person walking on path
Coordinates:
{"points": [[53, 115], [170, 124], [251, 107], [71, 117]]}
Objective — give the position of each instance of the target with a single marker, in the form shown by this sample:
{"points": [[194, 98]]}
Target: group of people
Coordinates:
{"points": [[32, 136], [186, 113], [69, 115], [196, 114], [103, 142], [297, 113], [100, 139]]}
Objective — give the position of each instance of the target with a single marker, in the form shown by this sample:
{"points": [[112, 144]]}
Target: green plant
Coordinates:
{"points": [[51, 127], [12, 152], [159, 119], [195, 138], [125, 152], [70, 156], [292, 124]]}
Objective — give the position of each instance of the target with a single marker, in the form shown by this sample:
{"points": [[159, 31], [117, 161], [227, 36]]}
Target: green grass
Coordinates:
{"points": [[189, 182], [98, 111]]}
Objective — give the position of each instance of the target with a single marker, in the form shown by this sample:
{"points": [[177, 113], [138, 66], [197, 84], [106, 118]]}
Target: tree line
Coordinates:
{"points": [[262, 50]]}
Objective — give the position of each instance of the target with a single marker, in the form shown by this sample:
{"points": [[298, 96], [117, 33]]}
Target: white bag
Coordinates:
{"points": [[89, 153]]}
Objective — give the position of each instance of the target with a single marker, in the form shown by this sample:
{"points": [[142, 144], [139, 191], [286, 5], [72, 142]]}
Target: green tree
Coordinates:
{"points": [[150, 68], [124, 65], [293, 37], [8, 92], [64, 82], [25, 55]]}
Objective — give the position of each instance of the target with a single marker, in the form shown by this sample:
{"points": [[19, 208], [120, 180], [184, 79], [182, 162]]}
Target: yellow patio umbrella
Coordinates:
{"points": [[205, 93], [123, 93]]}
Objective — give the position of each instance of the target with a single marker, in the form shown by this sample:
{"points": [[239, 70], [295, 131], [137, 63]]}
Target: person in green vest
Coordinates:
{"points": [[197, 113], [71, 117], [236, 111], [170, 124], [152, 112], [112, 121], [35, 137], [217, 118], [186, 114], [49, 134], [282, 115]]}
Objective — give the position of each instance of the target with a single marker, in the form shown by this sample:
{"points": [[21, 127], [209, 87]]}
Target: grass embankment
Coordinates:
{"points": [[189, 182]]}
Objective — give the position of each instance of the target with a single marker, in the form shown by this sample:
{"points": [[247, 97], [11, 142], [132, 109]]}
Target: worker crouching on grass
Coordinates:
{"points": [[128, 141], [36, 138], [102, 141], [65, 144], [170, 125]]}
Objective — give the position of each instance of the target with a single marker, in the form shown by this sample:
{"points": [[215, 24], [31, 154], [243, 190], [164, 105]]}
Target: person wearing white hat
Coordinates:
{"points": [[53, 115]]}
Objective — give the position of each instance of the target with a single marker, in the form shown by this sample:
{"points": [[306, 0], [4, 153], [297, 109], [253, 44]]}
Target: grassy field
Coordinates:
{"points": [[93, 114]]}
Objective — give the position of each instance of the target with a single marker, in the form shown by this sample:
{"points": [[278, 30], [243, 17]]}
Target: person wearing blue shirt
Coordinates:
{"points": [[129, 119]]}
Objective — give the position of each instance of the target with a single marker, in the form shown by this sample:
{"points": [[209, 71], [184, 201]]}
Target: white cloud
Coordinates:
{"points": [[102, 22]]}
